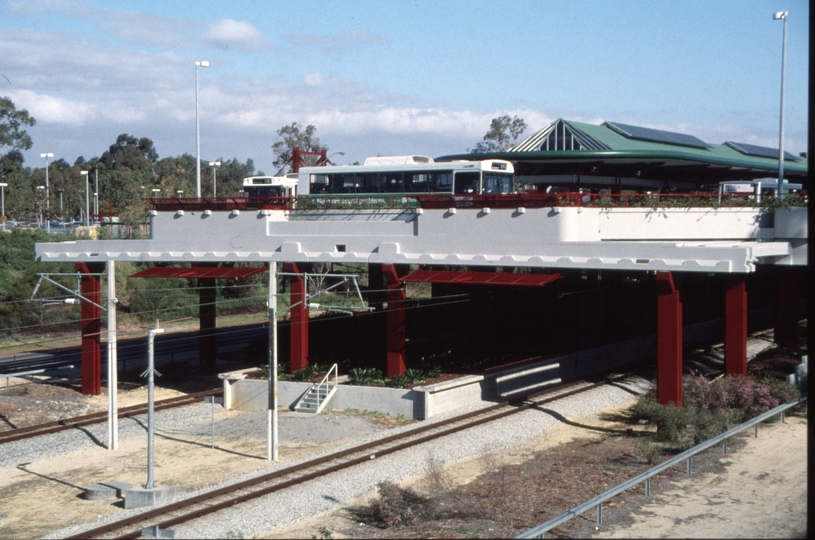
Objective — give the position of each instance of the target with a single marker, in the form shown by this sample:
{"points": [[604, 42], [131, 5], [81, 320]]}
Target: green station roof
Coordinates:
{"points": [[614, 149]]}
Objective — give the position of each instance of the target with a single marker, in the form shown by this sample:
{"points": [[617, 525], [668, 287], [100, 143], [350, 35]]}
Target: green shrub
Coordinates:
{"points": [[360, 376], [415, 375], [308, 373], [399, 381]]}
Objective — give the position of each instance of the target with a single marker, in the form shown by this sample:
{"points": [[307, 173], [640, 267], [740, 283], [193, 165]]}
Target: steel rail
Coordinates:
{"points": [[95, 418], [438, 429]]}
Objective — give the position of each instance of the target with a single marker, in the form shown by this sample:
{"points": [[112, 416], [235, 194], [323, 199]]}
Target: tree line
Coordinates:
{"points": [[130, 171]]}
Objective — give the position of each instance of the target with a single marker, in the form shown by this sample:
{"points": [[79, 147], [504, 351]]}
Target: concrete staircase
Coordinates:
{"points": [[318, 396]]}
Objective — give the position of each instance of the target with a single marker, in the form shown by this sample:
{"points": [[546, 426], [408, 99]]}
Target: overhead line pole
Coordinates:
{"points": [[113, 376], [272, 442]]}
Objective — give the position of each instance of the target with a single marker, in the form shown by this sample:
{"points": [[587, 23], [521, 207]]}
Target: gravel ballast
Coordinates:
{"points": [[341, 488]]}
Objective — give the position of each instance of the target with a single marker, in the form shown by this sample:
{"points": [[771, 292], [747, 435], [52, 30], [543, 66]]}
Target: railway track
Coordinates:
{"points": [[206, 503], [95, 418]]}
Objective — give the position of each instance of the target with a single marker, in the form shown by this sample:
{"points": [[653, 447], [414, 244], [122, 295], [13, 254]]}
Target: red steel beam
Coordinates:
{"points": [[91, 326], [299, 319], [669, 341], [395, 321], [473, 277], [735, 327]]}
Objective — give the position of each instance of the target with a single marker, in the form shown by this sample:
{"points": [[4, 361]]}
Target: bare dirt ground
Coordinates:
{"points": [[46, 495], [760, 492], [502, 495]]}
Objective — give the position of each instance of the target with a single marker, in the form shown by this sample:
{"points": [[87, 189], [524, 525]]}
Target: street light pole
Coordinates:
{"points": [[96, 193], [202, 63], [87, 204], [214, 165], [781, 15], [47, 155], [40, 188], [3, 203]]}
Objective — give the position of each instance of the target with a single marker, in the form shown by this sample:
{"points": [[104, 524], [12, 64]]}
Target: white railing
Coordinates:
{"points": [[329, 387]]}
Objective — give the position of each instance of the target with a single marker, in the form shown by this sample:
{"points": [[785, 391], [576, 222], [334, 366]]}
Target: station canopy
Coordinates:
{"points": [[614, 153]]}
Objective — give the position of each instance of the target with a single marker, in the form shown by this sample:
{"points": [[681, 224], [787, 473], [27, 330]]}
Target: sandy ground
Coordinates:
{"points": [[760, 493]]}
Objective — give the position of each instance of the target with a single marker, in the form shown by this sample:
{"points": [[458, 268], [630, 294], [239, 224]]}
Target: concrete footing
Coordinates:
{"points": [[98, 492], [141, 497], [106, 490]]}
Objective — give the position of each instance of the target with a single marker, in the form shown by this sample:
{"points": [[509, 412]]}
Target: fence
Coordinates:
{"points": [[645, 477]]}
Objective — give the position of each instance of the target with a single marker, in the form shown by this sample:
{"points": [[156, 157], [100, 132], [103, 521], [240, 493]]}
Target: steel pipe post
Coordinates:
{"points": [[113, 368], [272, 450], [151, 368]]}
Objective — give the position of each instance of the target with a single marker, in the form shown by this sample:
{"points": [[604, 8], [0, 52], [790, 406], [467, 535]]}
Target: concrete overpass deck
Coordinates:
{"points": [[720, 240]]}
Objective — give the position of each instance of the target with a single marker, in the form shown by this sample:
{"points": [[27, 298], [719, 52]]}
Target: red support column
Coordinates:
{"points": [[395, 321], [299, 319], [735, 327], [207, 341], [786, 312], [669, 341], [91, 328]]}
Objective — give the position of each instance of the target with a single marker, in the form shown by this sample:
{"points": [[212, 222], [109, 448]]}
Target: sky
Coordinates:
{"points": [[398, 77]]}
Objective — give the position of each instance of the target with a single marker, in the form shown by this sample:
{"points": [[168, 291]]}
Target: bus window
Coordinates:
{"points": [[498, 184], [319, 183], [344, 183], [370, 183], [467, 183], [417, 182], [394, 182], [442, 181]]}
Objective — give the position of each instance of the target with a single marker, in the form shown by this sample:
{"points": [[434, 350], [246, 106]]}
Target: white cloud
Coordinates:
{"points": [[45, 108], [47, 7], [229, 33], [313, 79]]}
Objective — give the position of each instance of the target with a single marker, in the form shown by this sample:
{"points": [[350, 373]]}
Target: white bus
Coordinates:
{"points": [[270, 186], [409, 175]]}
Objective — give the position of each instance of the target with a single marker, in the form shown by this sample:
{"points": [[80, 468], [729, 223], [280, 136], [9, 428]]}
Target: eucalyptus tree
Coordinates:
{"points": [[503, 133]]}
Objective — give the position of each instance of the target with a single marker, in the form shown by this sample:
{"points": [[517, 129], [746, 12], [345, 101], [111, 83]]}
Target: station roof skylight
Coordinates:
{"points": [[657, 135], [759, 151]]}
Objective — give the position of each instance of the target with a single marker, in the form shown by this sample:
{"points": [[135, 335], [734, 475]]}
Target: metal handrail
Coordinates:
{"points": [[537, 532], [328, 385]]}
